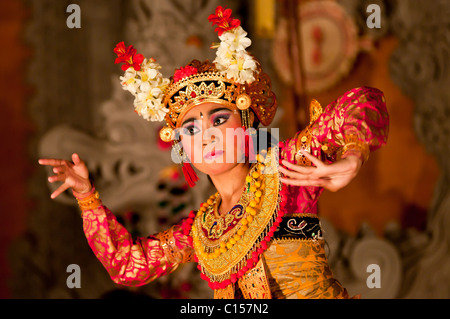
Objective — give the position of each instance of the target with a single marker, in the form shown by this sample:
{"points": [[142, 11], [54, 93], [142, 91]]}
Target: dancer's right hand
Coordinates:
{"points": [[73, 175]]}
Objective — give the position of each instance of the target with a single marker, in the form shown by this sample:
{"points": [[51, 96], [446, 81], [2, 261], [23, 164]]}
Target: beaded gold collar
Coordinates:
{"points": [[227, 246]]}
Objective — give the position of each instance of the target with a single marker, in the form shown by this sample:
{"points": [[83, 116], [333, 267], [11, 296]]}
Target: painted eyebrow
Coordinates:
{"points": [[213, 111], [220, 109]]}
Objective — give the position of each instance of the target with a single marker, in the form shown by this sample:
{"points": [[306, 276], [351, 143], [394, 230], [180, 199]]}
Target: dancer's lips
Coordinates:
{"points": [[212, 155]]}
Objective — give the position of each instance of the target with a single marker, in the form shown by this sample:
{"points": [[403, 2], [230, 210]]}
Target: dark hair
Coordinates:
{"points": [[263, 139]]}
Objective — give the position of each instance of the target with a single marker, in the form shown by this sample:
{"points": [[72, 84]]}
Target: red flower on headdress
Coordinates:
{"points": [[223, 20], [128, 56], [182, 73]]}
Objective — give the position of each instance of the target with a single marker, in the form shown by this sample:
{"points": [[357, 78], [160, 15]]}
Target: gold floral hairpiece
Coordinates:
{"points": [[234, 77]]}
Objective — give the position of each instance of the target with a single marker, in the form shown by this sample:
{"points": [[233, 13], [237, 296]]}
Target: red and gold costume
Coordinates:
{"points": [[270, 244]]}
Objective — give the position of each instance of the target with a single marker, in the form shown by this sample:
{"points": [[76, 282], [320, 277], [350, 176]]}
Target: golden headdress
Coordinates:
{"points": [[233, 78]]}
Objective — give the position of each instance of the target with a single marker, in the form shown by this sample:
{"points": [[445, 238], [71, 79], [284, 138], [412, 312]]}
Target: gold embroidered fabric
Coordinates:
{"points": [[353, 143], [130, 261], [255, 285], [224, 293], [315, 110], [303, 140], [171, 251], [356, 121], [298, 269], [234, 259]]}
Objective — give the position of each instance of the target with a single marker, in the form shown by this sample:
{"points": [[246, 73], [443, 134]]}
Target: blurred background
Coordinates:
{"points": [[60, 94]]}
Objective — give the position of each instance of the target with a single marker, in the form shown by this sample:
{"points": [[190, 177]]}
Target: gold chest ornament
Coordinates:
{"points": [[229, 248]]}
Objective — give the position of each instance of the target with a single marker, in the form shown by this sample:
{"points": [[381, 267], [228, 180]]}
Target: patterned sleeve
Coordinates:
{"points": [[356, 121], [134, 262]]}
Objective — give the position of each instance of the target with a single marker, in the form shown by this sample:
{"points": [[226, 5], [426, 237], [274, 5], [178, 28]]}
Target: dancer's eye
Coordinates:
{"points": [[219, 119], [190, 130]]}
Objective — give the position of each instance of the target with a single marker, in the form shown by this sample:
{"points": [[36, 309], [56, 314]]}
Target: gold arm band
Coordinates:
{"points": [[91, 202]]}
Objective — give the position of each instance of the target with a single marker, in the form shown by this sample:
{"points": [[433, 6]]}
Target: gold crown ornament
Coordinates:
{"points": [[234, 78], [207, 84]]}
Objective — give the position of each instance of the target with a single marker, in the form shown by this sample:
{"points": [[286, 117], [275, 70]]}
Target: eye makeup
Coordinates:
{"points": [[219, 118], [216, 116], [190, 128]]}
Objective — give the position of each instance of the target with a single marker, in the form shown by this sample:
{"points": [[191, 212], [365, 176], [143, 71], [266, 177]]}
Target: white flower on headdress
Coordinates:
{"points": [[236, 39], [130, 82], [148, 86], [224, 56], [242, 68], [231, 57], [150, 109], [150, 70]]}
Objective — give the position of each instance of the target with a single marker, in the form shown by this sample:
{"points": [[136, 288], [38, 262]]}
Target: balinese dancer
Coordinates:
{"points": [[259, 235]]}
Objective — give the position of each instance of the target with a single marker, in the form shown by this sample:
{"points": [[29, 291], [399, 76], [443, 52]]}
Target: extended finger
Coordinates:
{"points": [[299, 176], [295, 182], [298, 168], [51, 162], [59, 190], [292, 174], [59, 169], [57, 178]]}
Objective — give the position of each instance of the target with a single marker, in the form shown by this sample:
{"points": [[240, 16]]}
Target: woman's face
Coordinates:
{"points": [[212, 137]]}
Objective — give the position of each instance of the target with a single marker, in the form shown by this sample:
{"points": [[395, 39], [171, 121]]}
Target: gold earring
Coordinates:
{"points": [[245, 116]]}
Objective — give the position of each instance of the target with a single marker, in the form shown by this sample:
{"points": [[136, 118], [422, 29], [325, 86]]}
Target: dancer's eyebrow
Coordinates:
{"points": [[220, 109], [191, 119]]}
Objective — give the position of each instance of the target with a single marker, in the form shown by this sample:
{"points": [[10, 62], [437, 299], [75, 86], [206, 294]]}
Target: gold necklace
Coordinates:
{"points": [[255, 182], [225, 259]]}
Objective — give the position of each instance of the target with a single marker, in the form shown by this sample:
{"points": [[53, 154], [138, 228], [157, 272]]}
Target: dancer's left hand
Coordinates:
{"points": [[332, 177]]}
